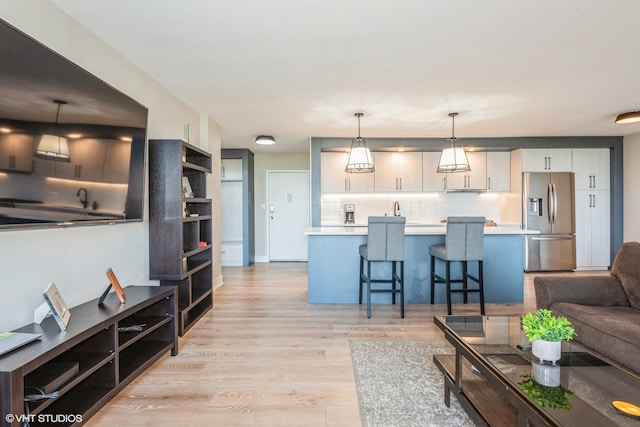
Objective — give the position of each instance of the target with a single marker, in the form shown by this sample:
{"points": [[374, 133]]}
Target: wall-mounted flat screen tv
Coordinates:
{"points": [[72, 147]]}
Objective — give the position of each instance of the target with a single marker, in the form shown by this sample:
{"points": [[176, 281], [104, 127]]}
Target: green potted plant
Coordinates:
{"points": [[546, 332]]}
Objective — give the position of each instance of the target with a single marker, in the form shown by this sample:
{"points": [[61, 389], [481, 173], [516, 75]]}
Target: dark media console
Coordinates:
{"points": [[103, 349]]}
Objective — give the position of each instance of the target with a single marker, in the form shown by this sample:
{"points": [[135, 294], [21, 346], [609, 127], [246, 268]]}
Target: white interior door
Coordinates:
{"points": [[288, 213]]}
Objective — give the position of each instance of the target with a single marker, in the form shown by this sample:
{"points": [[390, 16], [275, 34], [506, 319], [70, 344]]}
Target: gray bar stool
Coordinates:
{"points": [[385, 243], [464, 241]]}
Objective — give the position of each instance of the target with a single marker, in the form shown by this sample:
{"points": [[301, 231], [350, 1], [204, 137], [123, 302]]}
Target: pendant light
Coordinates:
{"points": [[453, 158], [359, 160], [54, 147]]}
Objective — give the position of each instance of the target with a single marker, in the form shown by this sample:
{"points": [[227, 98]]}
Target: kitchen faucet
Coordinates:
{"points": [[396, 208], [86, 197]]}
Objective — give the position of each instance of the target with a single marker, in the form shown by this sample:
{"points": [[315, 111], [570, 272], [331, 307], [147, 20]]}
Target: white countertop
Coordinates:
{"points": [[409, 230]]}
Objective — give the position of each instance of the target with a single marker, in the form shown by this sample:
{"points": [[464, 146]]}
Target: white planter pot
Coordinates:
{"points": [[550, 351], [547, 375]]}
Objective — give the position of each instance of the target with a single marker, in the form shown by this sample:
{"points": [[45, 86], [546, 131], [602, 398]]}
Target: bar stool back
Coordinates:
{"points": [[385, 243], [463, 243]]}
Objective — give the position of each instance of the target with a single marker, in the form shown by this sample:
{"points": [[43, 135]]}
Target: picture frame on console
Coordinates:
{"points": [[56, 304]]}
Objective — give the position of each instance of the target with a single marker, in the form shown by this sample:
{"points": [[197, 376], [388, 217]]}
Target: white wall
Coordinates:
{"points": [[262, 164], [631, 195], [76, 258]]}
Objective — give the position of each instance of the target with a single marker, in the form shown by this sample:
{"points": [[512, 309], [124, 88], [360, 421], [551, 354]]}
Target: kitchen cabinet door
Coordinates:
{"points": [[333, 178], [498, 171], [591, 168], [117, 159], [16, 152], [398, 172], [231, 170], [593, 229], [431, 179], [86, 160], [476, 179], [546, 160]]}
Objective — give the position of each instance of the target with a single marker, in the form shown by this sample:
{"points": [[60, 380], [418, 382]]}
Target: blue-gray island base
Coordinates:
{"points": [[333, 265]]}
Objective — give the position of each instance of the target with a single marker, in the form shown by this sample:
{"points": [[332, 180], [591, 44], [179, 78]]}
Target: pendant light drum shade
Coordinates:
{"points": [[453, 157], [54, 147], [360, 159]]}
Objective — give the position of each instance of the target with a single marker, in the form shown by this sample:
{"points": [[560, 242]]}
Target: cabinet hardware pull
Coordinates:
{"points": [[488, 183]]}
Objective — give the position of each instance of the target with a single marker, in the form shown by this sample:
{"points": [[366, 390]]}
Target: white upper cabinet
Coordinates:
{"points": [[476, 179], [431, 179], [546, 160], [399, 171], [333, 178], [591, 167], [231, 170], [498, 171]]}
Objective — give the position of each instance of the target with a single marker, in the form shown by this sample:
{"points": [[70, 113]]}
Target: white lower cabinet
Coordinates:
{"points": [[593, 229], [231, 254]]}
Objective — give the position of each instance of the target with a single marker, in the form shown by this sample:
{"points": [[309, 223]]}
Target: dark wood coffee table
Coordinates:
{"points": [[499, 382]]}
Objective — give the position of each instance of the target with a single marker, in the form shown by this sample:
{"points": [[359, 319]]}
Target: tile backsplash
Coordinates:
{"points": [[427, 208]]}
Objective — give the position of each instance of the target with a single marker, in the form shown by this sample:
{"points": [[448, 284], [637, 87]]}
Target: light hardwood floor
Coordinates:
{"points": [[265, 357]]}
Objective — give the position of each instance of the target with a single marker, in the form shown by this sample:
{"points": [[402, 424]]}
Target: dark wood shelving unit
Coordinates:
{"points": [[180, 226], [108, 359]]}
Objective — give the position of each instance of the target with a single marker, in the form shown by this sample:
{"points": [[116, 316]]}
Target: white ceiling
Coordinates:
{"points": [[300, 68]]}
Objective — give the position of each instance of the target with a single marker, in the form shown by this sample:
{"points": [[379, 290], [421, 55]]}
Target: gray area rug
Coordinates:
{"points": [[399, 385]]}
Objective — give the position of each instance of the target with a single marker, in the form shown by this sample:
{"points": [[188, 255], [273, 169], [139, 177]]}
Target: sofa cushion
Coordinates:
{"points": [[626, 267], [614, 332]]}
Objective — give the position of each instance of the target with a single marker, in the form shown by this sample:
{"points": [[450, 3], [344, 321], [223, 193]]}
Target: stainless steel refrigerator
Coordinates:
{"points": [[548, 200]]}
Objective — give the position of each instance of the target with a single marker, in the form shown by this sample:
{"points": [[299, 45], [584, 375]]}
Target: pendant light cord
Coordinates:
{"points": [[453, 124]]}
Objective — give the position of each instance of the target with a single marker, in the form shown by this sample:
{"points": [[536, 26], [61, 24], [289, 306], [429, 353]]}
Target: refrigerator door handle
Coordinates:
{"points": [[554, 194], [550, 203]]}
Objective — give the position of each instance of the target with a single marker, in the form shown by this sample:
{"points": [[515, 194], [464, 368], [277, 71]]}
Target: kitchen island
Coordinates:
{"points": [[333, 265]]}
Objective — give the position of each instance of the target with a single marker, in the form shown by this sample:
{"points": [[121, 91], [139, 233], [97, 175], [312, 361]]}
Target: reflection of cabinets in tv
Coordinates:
{"points": [[107, 359], [180, 228], [92, 159], [16, 152]]}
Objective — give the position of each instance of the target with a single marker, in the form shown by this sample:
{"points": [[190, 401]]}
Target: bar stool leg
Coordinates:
{"points": [[393, 282], [402, 289], [361, 271], [433, 272], [369, 289], [465, 283], [481, 287], [448, 280]]}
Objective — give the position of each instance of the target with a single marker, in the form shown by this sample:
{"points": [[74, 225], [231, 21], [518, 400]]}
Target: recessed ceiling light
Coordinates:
{"points": [[630, 117], [265, 140]]}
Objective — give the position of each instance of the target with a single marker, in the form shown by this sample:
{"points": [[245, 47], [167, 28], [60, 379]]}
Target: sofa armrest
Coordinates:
{"points": [[585, 290]]}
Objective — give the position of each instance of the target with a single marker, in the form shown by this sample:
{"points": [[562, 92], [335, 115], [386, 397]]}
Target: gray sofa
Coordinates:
{"points": [[604, 309]]}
